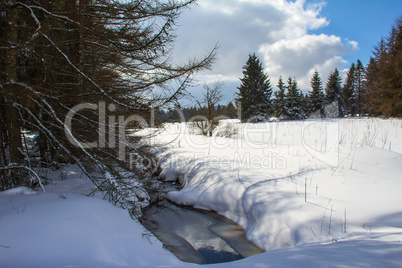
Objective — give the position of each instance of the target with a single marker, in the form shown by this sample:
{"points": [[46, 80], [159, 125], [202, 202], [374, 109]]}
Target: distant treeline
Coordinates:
{"points": [[374, 90]]}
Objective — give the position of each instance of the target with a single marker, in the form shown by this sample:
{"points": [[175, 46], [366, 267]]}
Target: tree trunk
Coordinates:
{"points": [[13, 124], [3, 156], [82, 83]]}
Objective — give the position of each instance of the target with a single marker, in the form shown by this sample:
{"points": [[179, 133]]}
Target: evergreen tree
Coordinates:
{"points": [[333, 92], [293, 105], [383, 77], [359, 89], [230, 110], [316, 95], [372, 83], [305, 101], [280, 101], [111, 55], [255, 91], [349, 90]]}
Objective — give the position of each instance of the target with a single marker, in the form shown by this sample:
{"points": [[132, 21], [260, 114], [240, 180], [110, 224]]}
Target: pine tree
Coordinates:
{"points": [[255, 91], [333, 92], [316, 96], [348, 91], [293, 105], [280, 101]]}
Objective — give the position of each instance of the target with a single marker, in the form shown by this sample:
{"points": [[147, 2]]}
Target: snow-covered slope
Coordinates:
{"points": [[312, 193], [292, 183], [65, 228]]}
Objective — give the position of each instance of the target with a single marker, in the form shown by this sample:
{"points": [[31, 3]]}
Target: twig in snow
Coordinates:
{"points": [[330, 220], [72, 218], [353, 159], [313, 232], [147, 236], [345, 222], [305, 189], [340, 222], [322, 220]]}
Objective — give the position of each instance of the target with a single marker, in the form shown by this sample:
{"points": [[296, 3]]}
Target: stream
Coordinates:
{"points": [[197, 236]]}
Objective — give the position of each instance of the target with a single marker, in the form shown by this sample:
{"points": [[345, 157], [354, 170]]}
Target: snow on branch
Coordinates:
{"points": [[13, 166], [35, 33], [87, 77]]}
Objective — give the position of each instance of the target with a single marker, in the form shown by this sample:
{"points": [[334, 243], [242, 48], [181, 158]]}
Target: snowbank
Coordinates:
{"points": [[63, 227], [293, 183]]}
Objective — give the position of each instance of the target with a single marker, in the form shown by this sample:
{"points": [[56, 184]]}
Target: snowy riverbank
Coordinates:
{"points": [[296, 183], [311, 198], [65, 228]]}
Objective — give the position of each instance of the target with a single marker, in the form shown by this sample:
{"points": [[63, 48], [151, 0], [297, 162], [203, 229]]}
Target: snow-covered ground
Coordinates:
{"points": [[299, 183], [65, 228], [312, 193]]}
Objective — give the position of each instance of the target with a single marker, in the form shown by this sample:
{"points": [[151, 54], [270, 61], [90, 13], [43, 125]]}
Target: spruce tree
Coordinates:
{"points": [[371, 85], [230, 111], [333, 92], [349, 90], [279, 101], [359, 90], [305, 100], [293, 105], [383, 77], [316, 95], [255, 91]]}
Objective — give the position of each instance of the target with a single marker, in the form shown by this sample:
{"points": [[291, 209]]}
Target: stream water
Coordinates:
{"points": [[197, 236]]}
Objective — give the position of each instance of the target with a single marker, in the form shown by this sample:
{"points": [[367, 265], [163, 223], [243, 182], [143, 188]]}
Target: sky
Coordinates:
{"points": [[291, 38]]}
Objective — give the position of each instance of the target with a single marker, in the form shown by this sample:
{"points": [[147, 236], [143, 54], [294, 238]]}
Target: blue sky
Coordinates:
{"points": [[292, 38], [370, 20]]}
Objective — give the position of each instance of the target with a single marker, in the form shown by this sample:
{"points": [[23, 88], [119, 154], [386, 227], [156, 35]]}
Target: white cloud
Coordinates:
{"points": [[353, 44], [277, 29], [300, 57]]}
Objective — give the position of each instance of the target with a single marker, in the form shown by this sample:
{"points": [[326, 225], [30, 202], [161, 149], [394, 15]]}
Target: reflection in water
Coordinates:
{"points": [[213, 256], [197, 236]]}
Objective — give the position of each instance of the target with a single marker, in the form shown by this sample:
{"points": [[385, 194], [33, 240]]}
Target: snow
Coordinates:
{"points": [[18, 191], [65, 228], [354, 253], [290, 184], [312, 193]]}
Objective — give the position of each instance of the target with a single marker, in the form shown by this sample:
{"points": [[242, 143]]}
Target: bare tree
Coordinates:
{"points": [[209, 120]]}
